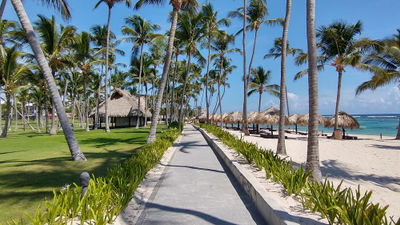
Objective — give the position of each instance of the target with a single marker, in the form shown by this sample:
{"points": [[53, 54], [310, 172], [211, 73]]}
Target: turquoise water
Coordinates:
{"points": [[372, 124]]}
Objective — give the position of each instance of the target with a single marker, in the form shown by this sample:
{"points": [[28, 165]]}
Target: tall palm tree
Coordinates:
{"points": [[176, 6], [225, 68], [312, 163], [139, 32], [110, 4], [13, 74], [281, 147], [259, 82], [337, 45], [211, 27], [383, 61], [189, 31], [62, 6], [53, 44]]}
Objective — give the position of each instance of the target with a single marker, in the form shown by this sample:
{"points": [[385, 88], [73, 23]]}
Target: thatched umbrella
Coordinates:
{"points": [[223, 118], [252, 118], [203, 117], [345, 121], [293, 120], [303, 120], [269, 117], [235, 117]]}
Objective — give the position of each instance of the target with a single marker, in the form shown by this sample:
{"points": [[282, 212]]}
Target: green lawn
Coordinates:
{"points": [[32, 164]]}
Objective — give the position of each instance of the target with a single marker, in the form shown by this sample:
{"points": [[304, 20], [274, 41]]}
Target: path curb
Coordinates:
{"points": [[269, 208]]}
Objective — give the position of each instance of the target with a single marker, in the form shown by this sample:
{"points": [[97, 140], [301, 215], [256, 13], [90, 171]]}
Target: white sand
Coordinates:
{"points": [[372, 163]]}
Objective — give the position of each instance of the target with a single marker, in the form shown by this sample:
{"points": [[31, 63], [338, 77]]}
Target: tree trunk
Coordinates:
{"points": [[338, 100], [7, 115], [206, 81], [106, 72], [259, 109], [86, 102], [398, 131], [15, 112], [53, 130], [73, 111], [140, 86], [1, 110], [245, 128], [173, 89], [156, 113], [23, 116], [281, 148], [97, 120], [312, 163], [76, 153], [145, 106], [184, 90], [287, 102], [2, 7], [38, 118], [47, 120]]}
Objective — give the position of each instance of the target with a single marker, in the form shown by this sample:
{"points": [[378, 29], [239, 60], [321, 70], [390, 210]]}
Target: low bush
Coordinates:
{"points": [[339, 206], [106, 196]]}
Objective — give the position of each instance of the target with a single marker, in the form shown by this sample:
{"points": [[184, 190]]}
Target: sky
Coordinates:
{"points": [[379, 20]]}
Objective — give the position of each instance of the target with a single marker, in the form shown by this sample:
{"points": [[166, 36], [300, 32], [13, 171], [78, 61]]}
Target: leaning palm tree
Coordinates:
{"points": [[383, 61], [110, 5], [176, 5], [312, 164], [281, 147], [139, 32], [62, 6], [211, 28], [12, 74]]}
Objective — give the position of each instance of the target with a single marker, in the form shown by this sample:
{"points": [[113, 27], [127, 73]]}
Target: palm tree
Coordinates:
{"points": [[312, 163], [225, 68], [176, 5], [53, 44], [13, 74], [62, 6], [139, 32], [211, 23], [259, 82], [281, 147], [337, 45], [110, 5], [383, 61]]}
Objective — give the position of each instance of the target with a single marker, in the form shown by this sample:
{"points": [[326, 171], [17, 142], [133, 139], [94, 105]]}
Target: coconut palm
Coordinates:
{"points": [[189, 31], [110, 4], [211, 26], [178, 50], [259, 82], [13, 74], [62, 6], [383, 62], [225, 68], [139, 32], [312, 164], [53, 44]]}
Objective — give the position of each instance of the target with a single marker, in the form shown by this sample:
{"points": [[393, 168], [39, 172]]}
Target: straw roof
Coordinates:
{"points": [[203, 116], [269, 117], [122, 104], [344, 121], [271, 111], [234, 117], [216, 118], [293, 118], [303, 120], [224, 116], [252, 117]]}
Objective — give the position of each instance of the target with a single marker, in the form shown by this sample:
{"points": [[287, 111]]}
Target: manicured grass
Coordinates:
{"points": [[32, 164]]}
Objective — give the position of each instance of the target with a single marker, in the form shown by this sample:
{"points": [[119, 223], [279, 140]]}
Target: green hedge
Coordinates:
{"points": [[106, 196], [339, 206]]}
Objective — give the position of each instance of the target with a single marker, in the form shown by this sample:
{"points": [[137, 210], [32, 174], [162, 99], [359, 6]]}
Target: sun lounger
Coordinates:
{"points": [[267, 135], [350, 137]]}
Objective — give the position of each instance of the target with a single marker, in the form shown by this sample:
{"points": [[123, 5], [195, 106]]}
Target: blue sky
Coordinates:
{"points": [[379, 18]]}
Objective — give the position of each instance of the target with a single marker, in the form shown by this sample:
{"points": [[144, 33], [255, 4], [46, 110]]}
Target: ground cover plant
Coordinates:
{"points": [[32, 164], [339, 205]]}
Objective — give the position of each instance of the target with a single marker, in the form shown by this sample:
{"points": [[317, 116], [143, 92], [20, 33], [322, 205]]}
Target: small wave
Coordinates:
{"points": [[382, 116]]}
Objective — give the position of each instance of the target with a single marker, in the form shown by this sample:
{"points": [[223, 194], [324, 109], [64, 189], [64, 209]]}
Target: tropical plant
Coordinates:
{"points": [[139, 32], [110, 4], [224, 66], [312, 163], [62, 6], [259, 82]]}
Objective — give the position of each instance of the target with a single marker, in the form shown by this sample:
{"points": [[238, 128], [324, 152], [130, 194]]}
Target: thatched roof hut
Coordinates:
{"points": [[303, 120], [269, 117], [345, 121], [203, 116], [252, 117], [293, 119], [234, 117]]}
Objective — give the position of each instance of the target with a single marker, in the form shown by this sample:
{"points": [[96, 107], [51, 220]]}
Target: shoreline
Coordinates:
{"points": [[369, 162]]}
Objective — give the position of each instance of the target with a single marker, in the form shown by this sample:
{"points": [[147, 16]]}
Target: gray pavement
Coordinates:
{"points": [[196, 189]]}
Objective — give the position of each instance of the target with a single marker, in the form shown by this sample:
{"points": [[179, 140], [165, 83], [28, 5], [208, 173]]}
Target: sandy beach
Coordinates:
{"points": [[370, 162]]}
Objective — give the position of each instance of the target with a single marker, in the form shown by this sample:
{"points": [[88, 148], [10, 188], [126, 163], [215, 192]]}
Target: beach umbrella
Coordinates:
{"points": [[269, 117], [203, 117], [252, 118], [345, 121], [235, 117], [223, 119], [293, 120], [303, 120]]}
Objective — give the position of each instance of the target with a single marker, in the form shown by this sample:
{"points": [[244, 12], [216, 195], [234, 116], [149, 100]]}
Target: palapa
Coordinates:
{"points": [[252, 117], [345, 121], [303, 120], [293, 119]]}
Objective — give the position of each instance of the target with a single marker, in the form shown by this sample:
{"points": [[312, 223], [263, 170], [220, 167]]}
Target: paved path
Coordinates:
{"points": [[196, 189]]}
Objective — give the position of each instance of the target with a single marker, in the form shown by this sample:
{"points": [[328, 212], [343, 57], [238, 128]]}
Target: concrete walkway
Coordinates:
{"points": [[196, 189]]}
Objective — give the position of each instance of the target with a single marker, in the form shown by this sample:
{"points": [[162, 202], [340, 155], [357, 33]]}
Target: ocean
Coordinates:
{"points": [[371, 124]]}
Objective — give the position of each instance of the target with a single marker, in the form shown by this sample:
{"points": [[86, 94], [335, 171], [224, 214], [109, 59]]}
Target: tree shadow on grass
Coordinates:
{"points": [[103, 142]]}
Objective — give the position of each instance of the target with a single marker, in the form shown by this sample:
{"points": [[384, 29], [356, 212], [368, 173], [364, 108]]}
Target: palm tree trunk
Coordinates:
{"points": [[206, 81], [7, 115], [73, 111], [53, 130], [86, 102], [15, 112], [2, 7], [76, 153], [106, 72], [245, 128], [173, 88], [281, 148], [337, 101], [1, 109], [38, 118], [287, 103], [156, 113], [140, 86], [253, 52], [259, 109], [96, 121], [184, 91], [65, 92], [47, 119], [398, 131], [312, 163], [23, 116], [145, 106]]}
